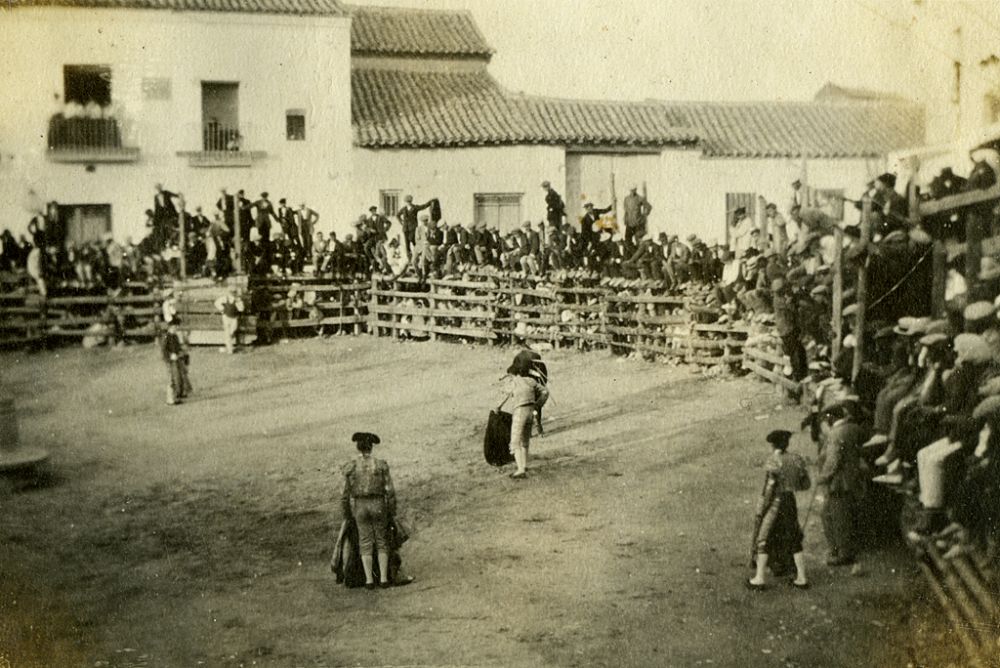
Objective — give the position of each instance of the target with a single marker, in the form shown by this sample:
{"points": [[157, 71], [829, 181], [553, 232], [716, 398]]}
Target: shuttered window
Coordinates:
{"points": [[502, 210]]}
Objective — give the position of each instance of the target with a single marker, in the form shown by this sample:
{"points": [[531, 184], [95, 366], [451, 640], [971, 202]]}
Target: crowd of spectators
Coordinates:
{"points": [[914, 424]]}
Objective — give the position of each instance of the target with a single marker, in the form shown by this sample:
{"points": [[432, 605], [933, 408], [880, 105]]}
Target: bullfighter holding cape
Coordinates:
{"points": [[777, 536]]}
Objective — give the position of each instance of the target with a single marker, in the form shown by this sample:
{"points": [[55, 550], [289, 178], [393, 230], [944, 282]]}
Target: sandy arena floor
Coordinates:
{"points": [[200, 535]]}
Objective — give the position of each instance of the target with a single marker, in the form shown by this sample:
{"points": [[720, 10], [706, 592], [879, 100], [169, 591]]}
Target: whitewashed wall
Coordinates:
{"points": [[696, 186], [455, 175], [280, 62]]}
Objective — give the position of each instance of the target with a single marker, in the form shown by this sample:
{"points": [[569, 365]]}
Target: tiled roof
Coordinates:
{"points": [[800, 129], [392, 108], [301, 7], [407, 32]]}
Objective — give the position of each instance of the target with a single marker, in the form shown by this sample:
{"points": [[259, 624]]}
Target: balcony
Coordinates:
{"points": [[222, 146], [87, 140]]}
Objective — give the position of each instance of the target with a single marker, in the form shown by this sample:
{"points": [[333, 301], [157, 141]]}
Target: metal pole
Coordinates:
{"points": [[866, 235]]}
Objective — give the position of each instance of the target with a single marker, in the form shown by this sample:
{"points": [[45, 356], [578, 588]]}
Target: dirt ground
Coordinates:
{"points": [[199, 535]]}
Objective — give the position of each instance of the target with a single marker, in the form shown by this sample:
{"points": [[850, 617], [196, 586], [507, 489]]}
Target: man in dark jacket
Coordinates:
{"points": [[555, 209], [286, 218], [637, 209], [840, 473], [408, 219], [786, 324], [588, 237]]}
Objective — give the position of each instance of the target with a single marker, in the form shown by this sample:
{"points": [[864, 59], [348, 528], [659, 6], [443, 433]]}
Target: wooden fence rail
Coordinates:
{"points": [[500, 309]]}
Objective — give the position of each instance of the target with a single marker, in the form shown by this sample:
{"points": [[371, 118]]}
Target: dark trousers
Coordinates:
{"points": [[792, 343], [631, 232], [838, 523]]}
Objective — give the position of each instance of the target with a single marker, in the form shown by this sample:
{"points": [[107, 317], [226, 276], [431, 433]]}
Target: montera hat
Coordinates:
{"points": [[887, 179], [365, 438], [779, 437]]}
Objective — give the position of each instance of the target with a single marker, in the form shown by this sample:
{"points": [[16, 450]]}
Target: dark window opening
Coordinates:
{"points": [[84, 84], [220, 113], [295, 126]]}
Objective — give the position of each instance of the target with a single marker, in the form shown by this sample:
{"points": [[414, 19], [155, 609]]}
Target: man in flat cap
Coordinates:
{"points": [[588, 235], [840, 474], [555, 208], [637, 209]]}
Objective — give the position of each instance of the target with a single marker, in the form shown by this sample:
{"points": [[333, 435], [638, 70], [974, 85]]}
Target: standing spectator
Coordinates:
{"points": [[588, 235], [555, 208], [840, 474], [171, 350], [263, 221], [164, 215], [115, 274], [778, 227], [740, 234], [35, 271], [286, 218], [786, 323], [408, 219], [637, 210], [306, 219], [227, 206], [230, 305]]}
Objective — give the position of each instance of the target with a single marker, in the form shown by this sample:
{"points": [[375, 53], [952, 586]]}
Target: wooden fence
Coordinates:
{"points": [[500, 309], [764, 357], [28, 318]]}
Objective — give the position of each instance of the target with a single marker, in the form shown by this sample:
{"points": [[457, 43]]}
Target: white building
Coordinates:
{"points": [[346, 107], [182, 83], [954, 64], [430, 120]]}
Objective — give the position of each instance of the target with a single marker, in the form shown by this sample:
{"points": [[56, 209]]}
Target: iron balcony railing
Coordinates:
{"points": [[218, 137], [87, 139]]}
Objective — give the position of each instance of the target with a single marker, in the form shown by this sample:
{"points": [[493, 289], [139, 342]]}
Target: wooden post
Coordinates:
{"points": [[838, 291], [974, 254], [183, 238], [356, 309], [939, 258], [431, 319], [237, 234], [614, 203], [372, 307], [862, 289]]}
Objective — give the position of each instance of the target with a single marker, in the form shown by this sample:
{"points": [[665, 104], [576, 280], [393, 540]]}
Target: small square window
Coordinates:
{"points": [[295, 126]]}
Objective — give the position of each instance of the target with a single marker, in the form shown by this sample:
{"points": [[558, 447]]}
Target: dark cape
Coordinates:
{"points": [[346, 560]]}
